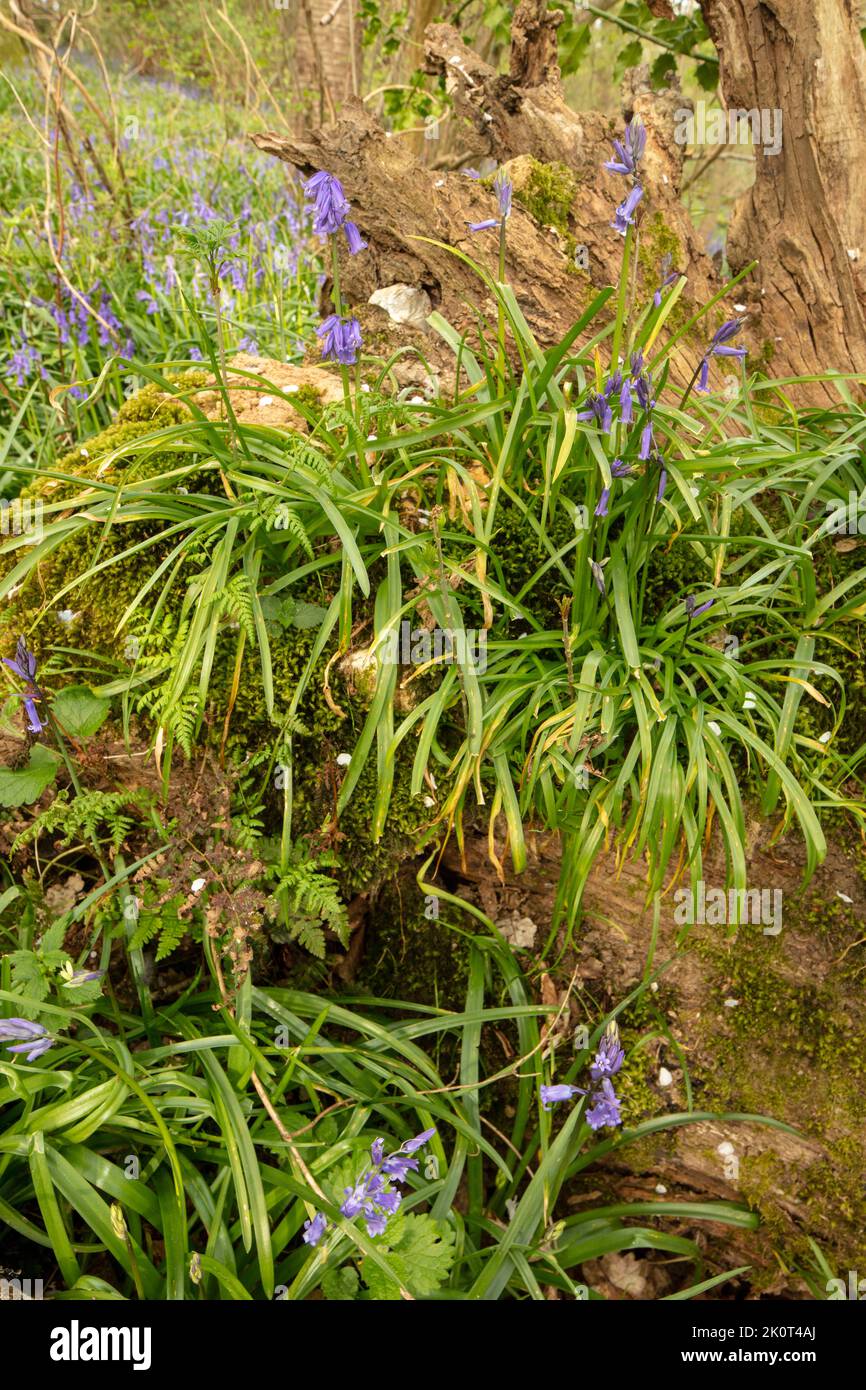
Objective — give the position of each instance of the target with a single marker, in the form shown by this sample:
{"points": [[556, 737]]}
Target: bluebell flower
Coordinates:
{"points": [[315, 1229], [647, 439], [629, 150], [694, 610], [411, 1145], [604, 499], [354, 238], [397, 1166], [373, 1193], [605, 1107], [663, 482], [554, 1095], [375, 1220], [625, 403], [618, 469], [599, 410], [341, 338], [668, 278], [623, 218], [24, 667], [31, 1038], [609, 1057], [719, 347], [504, 190], [330, 209]]}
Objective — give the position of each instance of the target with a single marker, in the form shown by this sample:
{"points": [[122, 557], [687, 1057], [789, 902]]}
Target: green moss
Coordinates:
{"points": [[791, 1051], [412, 957], [548, 194]]}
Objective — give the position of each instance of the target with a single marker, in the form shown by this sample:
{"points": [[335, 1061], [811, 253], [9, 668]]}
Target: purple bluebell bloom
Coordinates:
{"points": [[663, 482], [694, 610], [609, 1056], [719, 347], [315, 1229], [504, 190], [411, 1145], [23, 362], [330, 209], [341, 339], [398, 1166], [354, 238], [625, 403], [604, 499], [618, 469], [24, 667], [668, 277], [375, 1220], [554, 1095], [598, 576], [623, 218], [374, 1194], [30, 1038], [354, 1199], [646, 440], [605, 1109], [629, 150], [599, 410]]}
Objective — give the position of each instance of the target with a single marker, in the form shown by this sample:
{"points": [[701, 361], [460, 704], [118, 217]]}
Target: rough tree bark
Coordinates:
{"points": [[805, 216]]}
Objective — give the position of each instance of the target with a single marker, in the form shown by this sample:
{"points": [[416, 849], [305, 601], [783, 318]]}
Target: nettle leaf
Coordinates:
{"points": [[28, 976], [421, 1253], [290, 612], [79, 712], [52, 939], [22, 785], [341, 1285]]}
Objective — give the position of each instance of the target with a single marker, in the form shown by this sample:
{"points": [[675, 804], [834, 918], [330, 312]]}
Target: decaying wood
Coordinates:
{"points": [[516, 118]]}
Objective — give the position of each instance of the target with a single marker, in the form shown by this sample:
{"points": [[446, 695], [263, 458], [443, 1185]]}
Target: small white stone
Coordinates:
{"points": [[292, 388], [825, 737], [716, 728], [365, 387], [740, 308], [654, 987], [731, 1003], [661, 1189], [85, 454], [369, 437], [665, 1077], [844, 897], [428, 802], [66, 615], [343, 759], [265, 401], [726, 1148], [440, 183], [417, 400], [854, 253], [197, 885]]}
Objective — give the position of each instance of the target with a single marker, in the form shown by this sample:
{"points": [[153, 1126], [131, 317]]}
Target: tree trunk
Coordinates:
{"points": [[805, 216]]}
